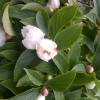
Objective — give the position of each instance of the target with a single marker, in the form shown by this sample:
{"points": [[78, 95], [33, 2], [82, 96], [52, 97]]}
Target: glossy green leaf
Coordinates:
{"points": [[61, 62], [97, 7], [10, 45], [79, 68], [10, 85], [16, 11], [25, 60], [30, 94], [6, 71], [42, 21], [38, 1], [11, 55], [62, 82], [59, 95], [35, 77], [68, 36], [28, 21], [88, 98], [89, 44], [92, 16], [33, 7], [96, 60], [83, 78], [61, 18], [24, 81], [74, 54], [96, 41], [73, 95], [47, 67]]}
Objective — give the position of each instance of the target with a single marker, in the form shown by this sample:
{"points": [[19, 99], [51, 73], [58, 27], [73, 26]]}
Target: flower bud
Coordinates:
{"points": [[43, 94], [31, 36], [90, 85], [53, 4], [44, 91], [49, 77], [46, 49], [89, 69], [2, 37]]}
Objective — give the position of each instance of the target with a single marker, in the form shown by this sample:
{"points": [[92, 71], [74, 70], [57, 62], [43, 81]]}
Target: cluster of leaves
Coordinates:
{"points": [[23, 74]]}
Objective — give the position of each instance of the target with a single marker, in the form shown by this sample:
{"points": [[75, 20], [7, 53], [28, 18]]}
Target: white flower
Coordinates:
{"points": [[53, 4], [46, 49], [41, 97], [31, 36], [90, 85], [2, 37]]}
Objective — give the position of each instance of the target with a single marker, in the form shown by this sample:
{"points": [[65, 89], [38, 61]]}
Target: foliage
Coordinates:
{"points": [[75, 29]]}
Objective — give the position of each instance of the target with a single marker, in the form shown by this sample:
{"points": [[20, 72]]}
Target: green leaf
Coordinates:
{"points": [[9, 84], [73, 95], [68, 36], [47, 67], [89, 44], [79, 68], [10, 45], [38, 1], [31, 94], [25, 60], [13, 2], [42, 21], [28, 21], [92, 16], [98, 92], [3, 92], [6, 71], [87, 98], [96, 59], [97, 7], [59, 95], [96, 41], [24, 81], [62, 17], [33, 7], [16, 11], [62, 82], [27, 1], [74, 54], [35, 76], [11, 55], [7, 23], [61, 61], [83, 78]]}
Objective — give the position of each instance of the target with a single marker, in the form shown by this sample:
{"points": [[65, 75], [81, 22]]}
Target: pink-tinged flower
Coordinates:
{"points": [[2, 37], [41, 97], [53, 4], [44, 91], [46, 49], [31, 36], [43, 94], [90, 85]]}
